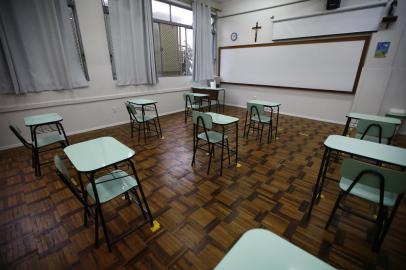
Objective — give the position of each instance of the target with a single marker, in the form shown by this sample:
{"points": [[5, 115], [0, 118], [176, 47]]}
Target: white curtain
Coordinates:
{"points": [[132, 38], [202, 40], [38, 47]]}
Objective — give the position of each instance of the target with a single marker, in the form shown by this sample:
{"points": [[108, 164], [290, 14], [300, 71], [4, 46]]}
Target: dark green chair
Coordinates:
{"points": [[136, 120], [257, 120], [44, 144], [203, 121], [110, 186], [375, 184]]}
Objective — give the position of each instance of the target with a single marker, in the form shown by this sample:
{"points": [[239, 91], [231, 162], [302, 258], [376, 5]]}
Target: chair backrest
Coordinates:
{"points": [[65, 177], [202, 119], [255, 109], [395, 181], [17, 133], [131, 110], [188, 98], [375, 128]]}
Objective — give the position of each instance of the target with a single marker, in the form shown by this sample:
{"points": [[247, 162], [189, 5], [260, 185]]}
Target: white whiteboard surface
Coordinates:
{"points": [[336, 22], [331, 66]]}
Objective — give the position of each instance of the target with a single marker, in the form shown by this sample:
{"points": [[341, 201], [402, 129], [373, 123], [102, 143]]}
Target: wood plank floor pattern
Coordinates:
{"points": [[201, 216]]}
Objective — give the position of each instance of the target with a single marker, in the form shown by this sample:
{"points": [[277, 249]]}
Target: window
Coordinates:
{"points": [[76, 34], [173, 39], [105, 4]]}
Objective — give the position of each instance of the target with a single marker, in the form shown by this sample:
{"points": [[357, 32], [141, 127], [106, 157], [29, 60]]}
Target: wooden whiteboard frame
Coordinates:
{"points": [[365, 38]]}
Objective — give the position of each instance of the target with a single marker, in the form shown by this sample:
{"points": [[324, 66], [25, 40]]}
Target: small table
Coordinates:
{"points": [[223, 121], [145, 102], [212, 92], [371, 117], [374, 151], [268, 104], [91, 156], [36, 121], [260, 249]]}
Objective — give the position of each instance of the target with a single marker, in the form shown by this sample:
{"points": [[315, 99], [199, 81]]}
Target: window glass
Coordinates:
{"points": [[160, 11], [181, 15]]}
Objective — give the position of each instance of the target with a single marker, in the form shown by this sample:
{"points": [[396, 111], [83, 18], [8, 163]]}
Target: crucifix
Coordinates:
{"points": [[256, 28]]}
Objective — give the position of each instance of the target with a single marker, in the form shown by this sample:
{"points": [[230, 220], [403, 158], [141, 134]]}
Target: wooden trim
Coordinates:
{"points": [[365, 38]]}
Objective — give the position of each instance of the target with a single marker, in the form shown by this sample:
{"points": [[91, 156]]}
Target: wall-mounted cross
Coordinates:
{"points": [[256, 28]]}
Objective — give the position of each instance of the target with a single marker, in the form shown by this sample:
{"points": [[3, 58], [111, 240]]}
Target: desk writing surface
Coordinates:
{"points": [[377, 118], [260, 249], [197, 95], [221, 119], [142, 101], [381, 152], [98, 153], [265, 103], [208, 88], [41, 119]]}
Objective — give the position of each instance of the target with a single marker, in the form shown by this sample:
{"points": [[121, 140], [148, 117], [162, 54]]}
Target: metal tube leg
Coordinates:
{"points": [[334, 209], [96, 228], [228, 152], [195, 143], [245, 123], [277, 122], [316, 187], [211, 153], [324, 172], [135, 192], [236, 143], [143, 123], [142, 193], [222, 152], [64, 134], [157, 118]]}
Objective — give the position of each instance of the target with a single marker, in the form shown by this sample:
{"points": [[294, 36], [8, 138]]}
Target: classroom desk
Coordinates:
{"points": [[91, 156], [36, 121], [212, 92], [223, 121], [260, 249], [374, 151], [371, 117], [268, 104], [193, 106], [143, 103]]}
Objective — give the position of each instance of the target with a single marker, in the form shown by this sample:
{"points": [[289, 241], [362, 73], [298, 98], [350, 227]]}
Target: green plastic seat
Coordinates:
{"points": [[367, 181], [48, 140], [214, 137], [112, 185], [375, 131], [261, 118], [137, 114]]}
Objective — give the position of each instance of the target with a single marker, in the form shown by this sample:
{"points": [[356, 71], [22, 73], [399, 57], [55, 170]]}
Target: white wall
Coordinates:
{"points": [[100, 104], [382, 82]]}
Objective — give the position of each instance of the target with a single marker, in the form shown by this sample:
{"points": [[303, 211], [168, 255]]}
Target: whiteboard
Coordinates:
{"points": [[330, 65], [340, 21]]}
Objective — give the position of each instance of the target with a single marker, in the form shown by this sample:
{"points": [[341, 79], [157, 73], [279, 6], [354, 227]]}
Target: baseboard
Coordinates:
{"points": [[89, 129]]}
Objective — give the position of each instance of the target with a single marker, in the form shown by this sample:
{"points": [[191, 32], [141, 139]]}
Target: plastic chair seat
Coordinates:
{"points": [[112, 188], [48, 140], [372, 138], [146, 118], [197, 106], [264, 118], [367, 192], [214, 137]]}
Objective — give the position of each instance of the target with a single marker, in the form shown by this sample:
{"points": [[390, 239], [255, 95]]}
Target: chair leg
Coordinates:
{"points": [[262, 129], [228, 152], [132, 127], [139, 132], [96, 228], [38, 163], [194, 151], [382, 214], [85, 210], [340, 196], [137, 197], [270, 132], [104, 225], [127, 197], [211, 153]]}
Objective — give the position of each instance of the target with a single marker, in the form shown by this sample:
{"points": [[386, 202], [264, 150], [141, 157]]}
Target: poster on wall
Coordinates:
{"points": [[382, 49]]}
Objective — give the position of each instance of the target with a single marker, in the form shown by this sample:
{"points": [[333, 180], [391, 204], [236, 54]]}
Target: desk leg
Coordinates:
{"points": [[99, 211], [245, 123], [347, 126], [84, 192], [277, 122], [36, 153], [236, 143], [224, 99], [143, 123], [32, 150], [151, 221], [222, 150], [316, 187], [63, 132], [159, 124]]}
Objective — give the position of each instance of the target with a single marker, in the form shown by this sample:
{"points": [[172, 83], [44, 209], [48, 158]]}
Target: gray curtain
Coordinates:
{"points": [[202, 40], [132, 38], [37, 47]]}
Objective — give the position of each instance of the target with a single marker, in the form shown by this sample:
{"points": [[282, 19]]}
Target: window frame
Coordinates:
{"points": [[82, 58]]}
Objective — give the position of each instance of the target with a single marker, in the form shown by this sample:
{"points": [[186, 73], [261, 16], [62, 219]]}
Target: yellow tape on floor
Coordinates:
{"points": [[156, 226]]}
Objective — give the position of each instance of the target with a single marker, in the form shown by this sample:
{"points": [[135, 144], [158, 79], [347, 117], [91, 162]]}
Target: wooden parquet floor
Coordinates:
{"points": [[201, 217]]}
